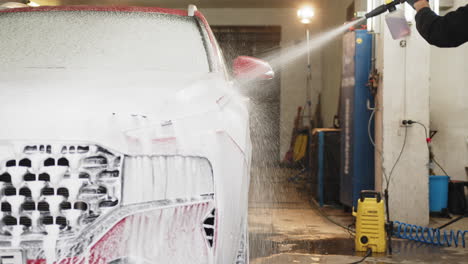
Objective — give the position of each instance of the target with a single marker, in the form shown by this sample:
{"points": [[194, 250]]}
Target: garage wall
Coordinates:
{"points": [[332, 56], [449, 107], [293, 77], [332, 61], [404, 95]]}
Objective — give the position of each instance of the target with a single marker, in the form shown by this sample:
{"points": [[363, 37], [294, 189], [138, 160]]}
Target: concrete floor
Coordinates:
{"points": [[286, 228]]}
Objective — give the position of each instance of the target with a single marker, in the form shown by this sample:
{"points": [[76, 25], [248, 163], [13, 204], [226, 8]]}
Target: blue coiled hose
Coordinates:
{"points": [[428, 235]]}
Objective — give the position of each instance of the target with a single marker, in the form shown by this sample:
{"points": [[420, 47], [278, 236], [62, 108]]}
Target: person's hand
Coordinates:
{"points": [[421, 4]]}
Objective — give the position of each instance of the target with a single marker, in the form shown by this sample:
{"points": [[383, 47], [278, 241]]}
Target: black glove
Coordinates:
{"points": [[411, 2]]}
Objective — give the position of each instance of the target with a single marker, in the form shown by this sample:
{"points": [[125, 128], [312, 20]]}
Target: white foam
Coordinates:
{"points": [[17, 174], [73, 185], [15, 202], [50, 243], [100, 40], [170, 235], [36, 161], [35, 187], [74, 162], [72, 216], [35, 216], [56, 174], [54, 204], [16, 235]]}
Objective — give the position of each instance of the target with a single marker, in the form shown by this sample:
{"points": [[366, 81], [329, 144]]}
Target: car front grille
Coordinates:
{"points": [[64, 185]]}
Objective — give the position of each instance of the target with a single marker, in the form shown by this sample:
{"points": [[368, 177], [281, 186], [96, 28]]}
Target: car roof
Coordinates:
{"points": [[98, 8]]}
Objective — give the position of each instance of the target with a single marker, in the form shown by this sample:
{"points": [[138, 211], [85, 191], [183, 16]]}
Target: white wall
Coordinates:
{"points": [[449, 107], [404, 95], [427, 72], [293, 77]]}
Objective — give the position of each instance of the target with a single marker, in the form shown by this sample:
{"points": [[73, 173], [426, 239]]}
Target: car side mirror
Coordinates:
{"points": [[249, 68]]}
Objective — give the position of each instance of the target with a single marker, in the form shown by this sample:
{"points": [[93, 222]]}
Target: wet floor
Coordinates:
{"points": [[285, 227]]}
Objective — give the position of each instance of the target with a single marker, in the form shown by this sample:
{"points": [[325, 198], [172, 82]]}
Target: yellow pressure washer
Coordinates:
{"points": [[370, 223]]}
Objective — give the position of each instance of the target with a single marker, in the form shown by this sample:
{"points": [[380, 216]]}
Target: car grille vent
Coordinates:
{"points": [[70, 187], [34, 149], [209, 227]]}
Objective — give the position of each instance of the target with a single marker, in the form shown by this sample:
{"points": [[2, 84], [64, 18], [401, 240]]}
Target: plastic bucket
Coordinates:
{"points": [[438, 193]]}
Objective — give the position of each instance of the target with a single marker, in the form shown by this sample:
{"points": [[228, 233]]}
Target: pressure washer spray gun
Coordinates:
{"points": [[389, 6], [396, 21]]}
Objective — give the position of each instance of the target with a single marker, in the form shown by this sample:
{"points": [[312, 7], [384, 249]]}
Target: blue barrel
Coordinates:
{"points": [[438, 193]]}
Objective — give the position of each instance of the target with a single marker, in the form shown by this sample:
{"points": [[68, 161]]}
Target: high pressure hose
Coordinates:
{"points": [[433, 236]]}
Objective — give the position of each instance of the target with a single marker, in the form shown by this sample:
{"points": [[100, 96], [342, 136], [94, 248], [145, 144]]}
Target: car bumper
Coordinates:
{"points": [[154, 232]]}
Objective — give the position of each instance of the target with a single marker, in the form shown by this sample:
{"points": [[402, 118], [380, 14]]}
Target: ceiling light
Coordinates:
{"points": [[305, 14]]}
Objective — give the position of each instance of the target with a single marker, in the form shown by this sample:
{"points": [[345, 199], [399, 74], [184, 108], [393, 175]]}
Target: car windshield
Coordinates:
{"points": [[98, 40]]}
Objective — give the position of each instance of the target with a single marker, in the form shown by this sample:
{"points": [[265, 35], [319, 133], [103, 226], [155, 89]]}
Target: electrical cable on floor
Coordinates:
{"points": [[452, 221], [331, 220], [368, 254], [351, 230]]}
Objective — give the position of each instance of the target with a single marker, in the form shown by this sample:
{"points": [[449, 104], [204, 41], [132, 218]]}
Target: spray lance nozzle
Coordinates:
{"points": [[390, 6]]}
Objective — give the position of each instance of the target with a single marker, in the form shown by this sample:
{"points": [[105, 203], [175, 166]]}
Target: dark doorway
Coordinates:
{"points": [[257, 41], [350, 11]]}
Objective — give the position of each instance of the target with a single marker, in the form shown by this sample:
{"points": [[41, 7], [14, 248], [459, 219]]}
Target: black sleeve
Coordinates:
{"points": [[446, 31]]}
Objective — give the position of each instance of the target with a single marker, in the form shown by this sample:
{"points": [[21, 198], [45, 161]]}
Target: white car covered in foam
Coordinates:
{"points": [[122, 138]]}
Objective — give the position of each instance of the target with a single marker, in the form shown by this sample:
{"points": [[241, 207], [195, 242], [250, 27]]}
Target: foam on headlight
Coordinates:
{"points": [[162, 177]]}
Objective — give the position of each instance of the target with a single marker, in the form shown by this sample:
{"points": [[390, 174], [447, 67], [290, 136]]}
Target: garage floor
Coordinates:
{"points": [[286, 228]]}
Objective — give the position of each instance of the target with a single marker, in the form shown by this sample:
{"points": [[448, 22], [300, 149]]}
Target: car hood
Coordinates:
{"points": [[54, 104]]}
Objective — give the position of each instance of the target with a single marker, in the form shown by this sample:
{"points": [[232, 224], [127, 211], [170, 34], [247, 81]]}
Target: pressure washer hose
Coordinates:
{"points": [[433, 236]]}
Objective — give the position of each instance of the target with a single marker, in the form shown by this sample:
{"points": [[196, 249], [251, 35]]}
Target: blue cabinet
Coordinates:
{"points": [[357, 152]]}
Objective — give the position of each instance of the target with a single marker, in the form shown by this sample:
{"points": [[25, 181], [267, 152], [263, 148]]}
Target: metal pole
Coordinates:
{"points": [[309, 76]]}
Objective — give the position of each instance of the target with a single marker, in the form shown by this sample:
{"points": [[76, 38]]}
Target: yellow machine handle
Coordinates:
{"points": [[372, 194]]}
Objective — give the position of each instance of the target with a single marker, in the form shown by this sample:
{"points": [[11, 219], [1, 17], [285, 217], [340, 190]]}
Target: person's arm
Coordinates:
{"points": [[446, 31]]}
